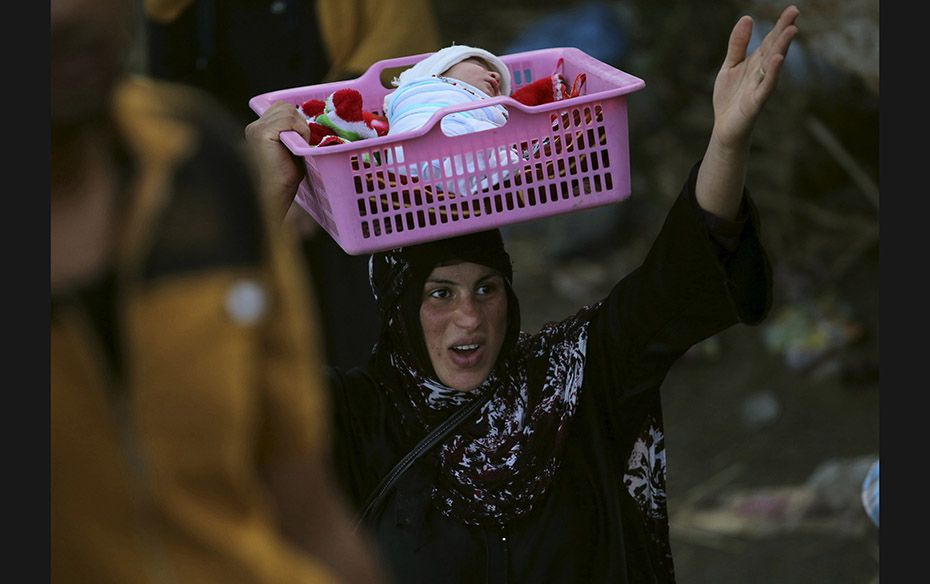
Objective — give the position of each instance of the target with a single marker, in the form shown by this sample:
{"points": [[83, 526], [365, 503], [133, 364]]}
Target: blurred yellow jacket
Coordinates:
{"points": [[160, 432]]}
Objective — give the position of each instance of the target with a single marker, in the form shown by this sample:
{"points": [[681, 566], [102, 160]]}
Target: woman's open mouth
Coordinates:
{"points": [[465, 355]]}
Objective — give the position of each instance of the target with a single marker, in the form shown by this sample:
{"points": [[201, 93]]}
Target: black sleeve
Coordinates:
{"points": [[725, 234], [685, 291]]}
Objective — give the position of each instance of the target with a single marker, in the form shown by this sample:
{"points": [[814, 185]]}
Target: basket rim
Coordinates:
{"points": [[628, 83]]}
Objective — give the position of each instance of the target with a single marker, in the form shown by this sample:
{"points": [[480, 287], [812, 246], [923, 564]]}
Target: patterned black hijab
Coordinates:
{"points": [[494, 468]]}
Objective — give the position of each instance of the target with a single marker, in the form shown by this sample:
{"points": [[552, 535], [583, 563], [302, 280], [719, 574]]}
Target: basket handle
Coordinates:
{"points": [[299, 147], [434, 119], [294, 141], [373, 73], [627, 84]]}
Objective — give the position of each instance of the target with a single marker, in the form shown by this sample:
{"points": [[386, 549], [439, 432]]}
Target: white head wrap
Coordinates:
{"points": [[440, 61]]}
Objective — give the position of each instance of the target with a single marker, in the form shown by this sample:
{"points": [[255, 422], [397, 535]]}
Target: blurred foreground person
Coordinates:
{"points": [[189, 432]]}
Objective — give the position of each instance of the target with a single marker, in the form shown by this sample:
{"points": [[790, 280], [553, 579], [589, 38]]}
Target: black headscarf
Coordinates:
{"points": [[493, 468]]}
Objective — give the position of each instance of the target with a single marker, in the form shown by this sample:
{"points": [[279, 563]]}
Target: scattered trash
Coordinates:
{"points": [[808, 335], [838, 482], [829, 501], [759, 512]]}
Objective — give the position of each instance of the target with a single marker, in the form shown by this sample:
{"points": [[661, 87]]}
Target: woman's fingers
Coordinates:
{"points": [[777, 41], [279, 117], [739, 40]]}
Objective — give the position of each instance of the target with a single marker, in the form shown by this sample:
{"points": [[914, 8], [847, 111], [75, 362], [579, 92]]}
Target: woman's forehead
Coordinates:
{"points": [[460, 271]]}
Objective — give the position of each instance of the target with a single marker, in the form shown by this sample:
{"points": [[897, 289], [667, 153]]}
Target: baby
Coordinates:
{"points": [[460, 75], [454, 75]]}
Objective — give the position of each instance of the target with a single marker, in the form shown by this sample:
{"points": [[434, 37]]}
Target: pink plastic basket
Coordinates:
{"points": [[407, 188]]}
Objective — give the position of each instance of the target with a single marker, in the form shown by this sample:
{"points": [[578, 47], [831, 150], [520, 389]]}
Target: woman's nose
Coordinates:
{"points": [[467, 313]]}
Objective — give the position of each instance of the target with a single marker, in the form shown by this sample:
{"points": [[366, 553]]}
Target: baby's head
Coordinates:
{"points": [[474, 66], [478, 73]]}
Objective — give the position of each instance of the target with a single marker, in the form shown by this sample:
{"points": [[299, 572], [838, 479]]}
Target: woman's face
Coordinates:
{"points": [[477, 74], [464, 318]]}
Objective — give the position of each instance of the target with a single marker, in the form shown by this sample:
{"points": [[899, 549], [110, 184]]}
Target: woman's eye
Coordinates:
{"points": [[439, 293], [486, 289]]}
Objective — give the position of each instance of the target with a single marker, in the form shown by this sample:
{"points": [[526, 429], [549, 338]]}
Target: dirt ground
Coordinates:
{"points": [[769, 429]]}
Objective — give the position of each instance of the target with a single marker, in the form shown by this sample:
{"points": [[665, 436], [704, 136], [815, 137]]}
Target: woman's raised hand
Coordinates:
{"points": [[743, 83]]}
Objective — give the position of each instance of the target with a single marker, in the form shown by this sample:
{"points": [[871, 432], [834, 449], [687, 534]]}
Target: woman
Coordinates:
{"points": [[559, 476]]}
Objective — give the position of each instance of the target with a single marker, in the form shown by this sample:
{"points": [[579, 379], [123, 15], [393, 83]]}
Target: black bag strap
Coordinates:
{"points": [[431, 439]]}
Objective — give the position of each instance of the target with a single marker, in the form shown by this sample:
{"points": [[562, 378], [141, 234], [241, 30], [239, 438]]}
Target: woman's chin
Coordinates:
{"points": [[464, 381]]}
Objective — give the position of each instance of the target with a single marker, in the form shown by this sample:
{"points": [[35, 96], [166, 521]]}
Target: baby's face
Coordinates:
{"points": [[475, 72]]}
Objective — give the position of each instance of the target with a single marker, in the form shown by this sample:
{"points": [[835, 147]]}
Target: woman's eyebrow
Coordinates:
{"points": [[439, 281], [483, 278]]}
